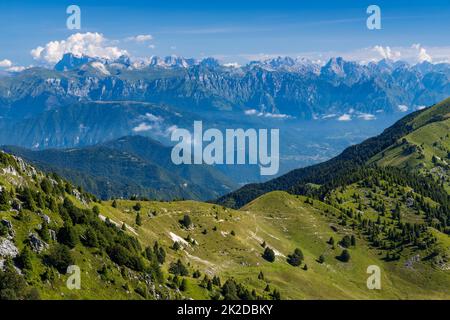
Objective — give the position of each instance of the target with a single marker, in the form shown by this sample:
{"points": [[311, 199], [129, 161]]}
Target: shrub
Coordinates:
{"points": [[124, 257], [60, 257], [269, 254], [345, 256], [296, 258], [321, 259], [67, 235], [186, 221], [178, 268], [346, 241], [138, 219]]}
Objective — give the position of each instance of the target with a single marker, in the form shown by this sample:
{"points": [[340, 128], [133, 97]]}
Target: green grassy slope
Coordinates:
{"points": [[35, 203], [284, 222]]}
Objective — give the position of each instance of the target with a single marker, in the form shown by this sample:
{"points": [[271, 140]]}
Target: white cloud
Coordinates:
{"points": [[5, 63], [328, 116], [387, 52], [251, 112], [151, 46], [254, 112], [415, 53], [276, 115], [151, 117], [141, 38], [367, 116], [345, 117], [232, 65], [16, 69], [142, 127], [402, 108], [422, 54], [89, 44]]}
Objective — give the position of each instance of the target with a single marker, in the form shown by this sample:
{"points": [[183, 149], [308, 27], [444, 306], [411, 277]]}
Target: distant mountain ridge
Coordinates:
{"points": [[129, 166], [296, 87]]}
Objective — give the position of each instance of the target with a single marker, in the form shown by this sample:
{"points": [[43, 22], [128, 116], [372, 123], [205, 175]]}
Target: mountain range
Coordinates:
{"points": [[281, 87]]}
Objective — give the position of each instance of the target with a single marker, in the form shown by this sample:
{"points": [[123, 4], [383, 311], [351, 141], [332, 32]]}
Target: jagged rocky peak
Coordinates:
{"points": [[287, 64], [71, 61]]}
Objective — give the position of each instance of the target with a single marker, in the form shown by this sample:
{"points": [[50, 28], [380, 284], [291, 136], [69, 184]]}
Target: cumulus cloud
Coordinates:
{"points": [[345, 117], [5, 63], [141, 38], [79, 44], [402, 108], [387, 52], [415, 53], [422, 54]]}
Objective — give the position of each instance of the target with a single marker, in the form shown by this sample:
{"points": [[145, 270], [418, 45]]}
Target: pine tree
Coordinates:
{"points": [[321, 258], [353, 241], [269, 254], [345, 256], [261, 275], [183, 285], [138, 219]]}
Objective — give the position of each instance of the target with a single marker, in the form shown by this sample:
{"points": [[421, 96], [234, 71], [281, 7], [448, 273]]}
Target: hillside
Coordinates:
{"points": [[355, 156], [212, 252], [228, 243], [47, 225], [426, 149], [129, 166]]}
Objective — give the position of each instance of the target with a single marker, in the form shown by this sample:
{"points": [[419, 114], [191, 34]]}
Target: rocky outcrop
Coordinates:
{"points": [[8, 249], [9, 226], [37, 244]]}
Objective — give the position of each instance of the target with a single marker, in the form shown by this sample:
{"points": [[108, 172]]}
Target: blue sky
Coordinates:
{"points": [[233, 30]]}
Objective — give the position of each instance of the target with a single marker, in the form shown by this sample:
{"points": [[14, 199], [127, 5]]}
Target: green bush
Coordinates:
{"points": [[269, 254], [59, 257], [296, 258]]}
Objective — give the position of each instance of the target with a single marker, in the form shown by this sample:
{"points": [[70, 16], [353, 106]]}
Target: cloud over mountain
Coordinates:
{"points": [[5, 63], [79, 44]]}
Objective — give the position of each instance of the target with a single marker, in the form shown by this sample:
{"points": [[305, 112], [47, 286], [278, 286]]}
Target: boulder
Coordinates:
{"points": [[37, 244], [8, 248], [46, 218]]}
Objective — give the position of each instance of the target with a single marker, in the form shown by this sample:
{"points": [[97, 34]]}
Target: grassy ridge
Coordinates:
{"points": [[284, 222]]}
